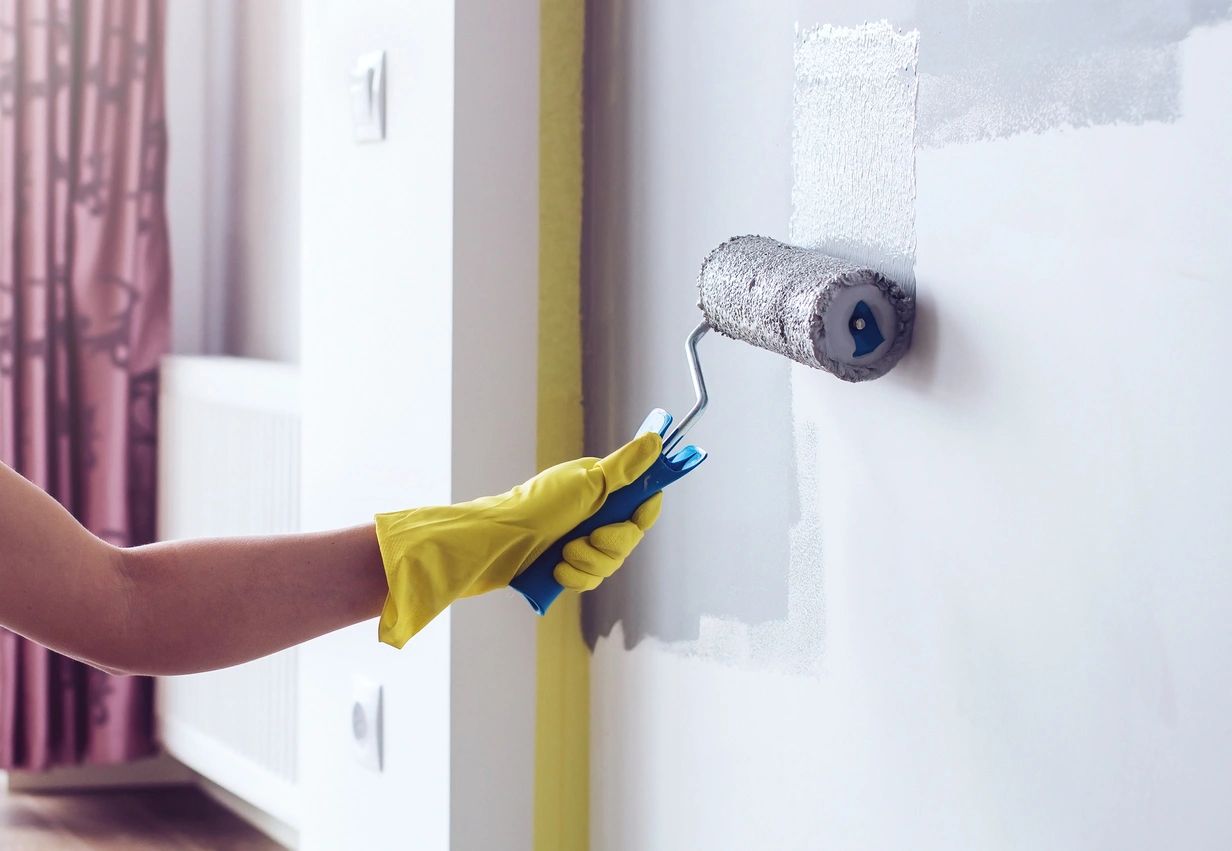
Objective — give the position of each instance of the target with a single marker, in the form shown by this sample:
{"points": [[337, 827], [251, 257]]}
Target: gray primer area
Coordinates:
{"points": [[670, 175]]}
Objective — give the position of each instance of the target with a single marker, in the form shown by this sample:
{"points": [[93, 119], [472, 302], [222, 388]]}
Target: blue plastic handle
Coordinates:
{"points": [[538, 585]]}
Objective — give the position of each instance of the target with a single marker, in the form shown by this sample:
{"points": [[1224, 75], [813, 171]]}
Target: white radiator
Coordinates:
{"points": [[229, 450]]}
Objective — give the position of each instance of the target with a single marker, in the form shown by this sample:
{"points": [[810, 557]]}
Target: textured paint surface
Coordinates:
{"points": [[993, 68], [798, 302], [853, 144]]}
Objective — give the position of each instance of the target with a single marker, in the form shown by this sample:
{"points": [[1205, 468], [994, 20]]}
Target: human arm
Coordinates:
{"points": [[180, 606], [186, 606]]}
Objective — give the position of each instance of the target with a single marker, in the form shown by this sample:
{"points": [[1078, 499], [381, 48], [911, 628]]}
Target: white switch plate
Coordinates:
{"points": [[368, 97], [366, 722]]}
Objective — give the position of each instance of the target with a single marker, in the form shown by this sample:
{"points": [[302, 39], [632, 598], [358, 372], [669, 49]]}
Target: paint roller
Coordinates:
{"points": [[816, 309]]}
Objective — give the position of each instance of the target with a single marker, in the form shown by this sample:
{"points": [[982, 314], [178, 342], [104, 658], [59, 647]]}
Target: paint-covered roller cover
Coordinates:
{"points": [[814, 308]]}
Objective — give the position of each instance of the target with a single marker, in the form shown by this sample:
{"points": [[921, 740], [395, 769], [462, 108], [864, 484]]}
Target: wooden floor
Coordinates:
{"points": [[173, 818]]}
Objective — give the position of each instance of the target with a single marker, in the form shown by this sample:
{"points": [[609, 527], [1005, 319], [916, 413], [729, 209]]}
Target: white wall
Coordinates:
{"points": [[982, 602], [414, 271], [233, 176], [376, 311], [401, 267]]}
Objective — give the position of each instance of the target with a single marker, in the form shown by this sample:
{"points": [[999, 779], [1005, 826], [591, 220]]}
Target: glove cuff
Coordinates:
{"points": [[433, 556], [417, 593]]}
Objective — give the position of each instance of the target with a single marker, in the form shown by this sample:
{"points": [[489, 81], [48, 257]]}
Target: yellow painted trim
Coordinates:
{"points": [[562, 721]]}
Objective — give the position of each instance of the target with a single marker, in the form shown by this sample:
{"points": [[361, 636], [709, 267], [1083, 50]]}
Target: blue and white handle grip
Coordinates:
{"points": [[537, 583]]}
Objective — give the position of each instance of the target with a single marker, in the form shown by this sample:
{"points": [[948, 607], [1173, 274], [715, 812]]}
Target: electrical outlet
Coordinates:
{"points": [[366, 723], [368, 97]]}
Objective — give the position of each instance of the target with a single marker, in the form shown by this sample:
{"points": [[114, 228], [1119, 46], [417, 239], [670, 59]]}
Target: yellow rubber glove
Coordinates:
{"points": [[435, 555]]}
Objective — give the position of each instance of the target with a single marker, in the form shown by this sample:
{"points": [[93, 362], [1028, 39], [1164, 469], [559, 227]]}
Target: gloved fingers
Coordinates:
{"points": [[615, 541], [602, 554], [575, 580], [627, 463], [647, 513], [590, 560]]}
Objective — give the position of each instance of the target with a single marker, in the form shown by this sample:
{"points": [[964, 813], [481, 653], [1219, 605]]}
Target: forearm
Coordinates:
{"points": [[204, 604], [181, 607], [174, 607], [187, 606]]}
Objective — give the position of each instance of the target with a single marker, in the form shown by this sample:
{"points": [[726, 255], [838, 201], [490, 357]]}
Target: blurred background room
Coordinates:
{"points": [[275, 266]]}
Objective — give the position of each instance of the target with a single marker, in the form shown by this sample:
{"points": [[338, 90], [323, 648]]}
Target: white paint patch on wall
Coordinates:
{"points": [[1133, 84], [853, 195], [853, 145], [996, 68]]}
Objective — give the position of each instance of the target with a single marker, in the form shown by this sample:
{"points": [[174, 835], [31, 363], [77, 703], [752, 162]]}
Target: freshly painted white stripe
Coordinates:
{"points": [[853, 145]]}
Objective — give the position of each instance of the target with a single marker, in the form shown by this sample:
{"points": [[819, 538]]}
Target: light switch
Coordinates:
{"points": [[368, 97]]}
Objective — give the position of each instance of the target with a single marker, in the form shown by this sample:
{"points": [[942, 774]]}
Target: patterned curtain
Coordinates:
{"points": [[84, 280]]}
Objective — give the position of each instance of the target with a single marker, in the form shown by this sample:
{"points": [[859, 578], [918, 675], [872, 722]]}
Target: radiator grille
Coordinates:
{"points": [[229, 465]]}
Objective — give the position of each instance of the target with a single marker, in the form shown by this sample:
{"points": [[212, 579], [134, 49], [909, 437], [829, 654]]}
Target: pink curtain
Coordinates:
{"points": [[84, 279]]}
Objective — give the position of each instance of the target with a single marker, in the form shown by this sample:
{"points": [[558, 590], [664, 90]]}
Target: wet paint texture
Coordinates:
{"points": [[994, 69], [853, 145]]}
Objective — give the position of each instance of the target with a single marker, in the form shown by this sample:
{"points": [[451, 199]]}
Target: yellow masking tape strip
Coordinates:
{"points": [[562, 725]]}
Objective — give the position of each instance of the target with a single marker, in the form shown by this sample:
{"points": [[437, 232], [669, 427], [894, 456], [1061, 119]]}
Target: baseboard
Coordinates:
{"points": [[233, 771], [279, 831], [162, 770]]}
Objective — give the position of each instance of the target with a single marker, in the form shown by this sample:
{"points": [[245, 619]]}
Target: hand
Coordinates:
{"points": [[590, 560], [434, 555]]}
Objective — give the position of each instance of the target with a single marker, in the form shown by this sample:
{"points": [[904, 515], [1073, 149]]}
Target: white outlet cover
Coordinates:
{"points": [[366, 733]]}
